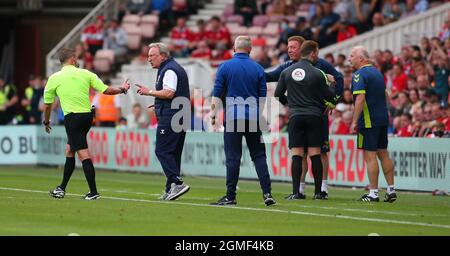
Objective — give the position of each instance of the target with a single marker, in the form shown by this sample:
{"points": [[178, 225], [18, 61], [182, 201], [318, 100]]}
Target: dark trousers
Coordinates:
{"points": [[169, 147], [233, 154]]}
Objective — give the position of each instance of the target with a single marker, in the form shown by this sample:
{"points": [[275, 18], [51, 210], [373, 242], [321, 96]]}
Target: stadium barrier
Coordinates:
{"points": [[420, 163]]}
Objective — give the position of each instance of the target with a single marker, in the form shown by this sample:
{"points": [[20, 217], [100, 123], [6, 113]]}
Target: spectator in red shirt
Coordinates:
{"points": [[406, 127], [217, 33], [446, 119], [220, 54], [344, 126], [93, 36], [201, 32], [202, 51], [399, 79], [259, 41], [180, 36], [345, 31]]}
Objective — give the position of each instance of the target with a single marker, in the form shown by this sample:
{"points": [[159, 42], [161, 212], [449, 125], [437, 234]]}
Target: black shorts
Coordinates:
{"points": [[372, 139], [77, 127], [325, 147], [305, 131]]}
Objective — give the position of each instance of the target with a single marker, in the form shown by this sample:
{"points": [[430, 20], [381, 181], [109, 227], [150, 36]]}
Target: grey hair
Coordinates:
{"points": [[243, 43], [163, 49], [362, 51]]}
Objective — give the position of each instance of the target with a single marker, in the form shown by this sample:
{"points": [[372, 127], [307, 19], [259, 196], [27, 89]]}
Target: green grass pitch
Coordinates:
{"points": [[130, 206]]}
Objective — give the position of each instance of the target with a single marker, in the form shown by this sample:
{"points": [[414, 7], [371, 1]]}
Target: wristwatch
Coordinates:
{"points": [[46, 123], [124, 91]]}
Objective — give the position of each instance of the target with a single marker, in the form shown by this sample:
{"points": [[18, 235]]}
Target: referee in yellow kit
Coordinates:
{"points": [[71, 85]]}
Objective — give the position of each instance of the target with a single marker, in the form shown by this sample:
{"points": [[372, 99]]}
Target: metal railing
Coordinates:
{"points": [[107, 8], [393, 36]]}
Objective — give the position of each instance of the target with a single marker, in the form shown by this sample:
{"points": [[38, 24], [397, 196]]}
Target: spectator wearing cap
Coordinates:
{"points": [[93, 35]]}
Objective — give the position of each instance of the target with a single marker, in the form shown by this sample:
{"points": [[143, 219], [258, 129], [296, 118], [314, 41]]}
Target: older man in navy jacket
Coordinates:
{"points": [[242, 81]]}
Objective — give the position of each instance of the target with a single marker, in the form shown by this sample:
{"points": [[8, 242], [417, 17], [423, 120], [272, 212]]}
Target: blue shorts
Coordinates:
{"points": [[372, 139]]}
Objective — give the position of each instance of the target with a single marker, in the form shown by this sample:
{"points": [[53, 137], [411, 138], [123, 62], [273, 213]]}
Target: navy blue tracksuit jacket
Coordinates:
{"points": [[242, 81]]}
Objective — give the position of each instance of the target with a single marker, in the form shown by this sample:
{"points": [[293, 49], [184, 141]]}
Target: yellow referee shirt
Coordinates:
{"points": [[71, 85]]}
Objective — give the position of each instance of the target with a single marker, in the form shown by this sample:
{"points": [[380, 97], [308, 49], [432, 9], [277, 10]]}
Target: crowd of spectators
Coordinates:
{"points": [[327, 22], [417, 83]]}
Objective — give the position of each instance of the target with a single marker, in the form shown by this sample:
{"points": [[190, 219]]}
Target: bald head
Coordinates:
{"points": [[243, 44], [359, 57]]}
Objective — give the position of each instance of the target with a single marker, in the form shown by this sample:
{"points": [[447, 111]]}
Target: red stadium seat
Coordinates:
{"points": [[253, 31], [260, 20], [271, 30], [152, 19], [235, 19], [228, 11], [103, 60], [134, 37], [148, 30], [131, 19]]}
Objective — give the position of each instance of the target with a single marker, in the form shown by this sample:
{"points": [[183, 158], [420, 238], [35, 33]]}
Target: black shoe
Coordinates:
{"points": [[390, 197], [295, 196], [90, 196], [268, 199], [57, 192], [324, 195], [318, 196], [225, 201], [367, 198]]}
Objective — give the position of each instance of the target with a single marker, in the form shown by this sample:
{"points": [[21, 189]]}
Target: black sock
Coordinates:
{"points": [[296, 170], [89, 172], [69, 166], [317, 169]]}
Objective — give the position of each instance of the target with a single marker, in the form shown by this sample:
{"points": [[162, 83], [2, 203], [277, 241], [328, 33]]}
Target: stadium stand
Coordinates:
{"points": [[402, 32]]}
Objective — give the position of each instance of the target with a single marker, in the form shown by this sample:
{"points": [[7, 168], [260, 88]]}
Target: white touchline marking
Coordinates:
{"points": [[157, 195], [371, 211], [256, 209]]}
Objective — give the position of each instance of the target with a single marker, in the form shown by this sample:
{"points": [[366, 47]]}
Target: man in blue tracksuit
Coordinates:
{"points": [[294, 44], [171, 83], [241, 80]]}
